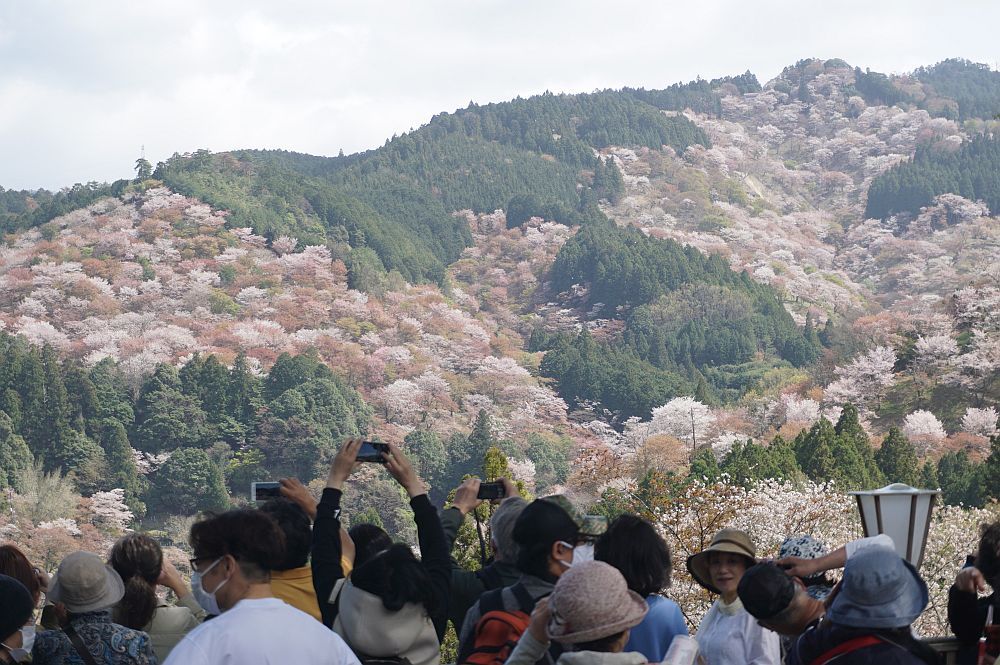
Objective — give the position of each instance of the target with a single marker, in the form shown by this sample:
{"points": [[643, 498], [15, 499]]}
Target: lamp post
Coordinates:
{"points": [[901, 512]]}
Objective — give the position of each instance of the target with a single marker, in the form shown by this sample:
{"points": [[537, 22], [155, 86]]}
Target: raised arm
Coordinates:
{"points": [[466, 500], [800, 567], [433, 544], [327, 548]]}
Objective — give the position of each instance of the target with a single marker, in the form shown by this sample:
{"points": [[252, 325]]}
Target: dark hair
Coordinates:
{"points": [[988, 557], [602, 644], [541, 524], [298, 531], [766, 591], [369, 540], [397, 577], [249, 536], [139, 560], [14, 564], [640, 554]]}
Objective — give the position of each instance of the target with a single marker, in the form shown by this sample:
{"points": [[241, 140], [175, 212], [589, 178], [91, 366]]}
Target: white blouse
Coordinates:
{"points": [[728, 635]]}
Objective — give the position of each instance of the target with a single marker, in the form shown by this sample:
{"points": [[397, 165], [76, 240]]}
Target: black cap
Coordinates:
{"points": [[544, 522], [765, 590], [16, 606]]}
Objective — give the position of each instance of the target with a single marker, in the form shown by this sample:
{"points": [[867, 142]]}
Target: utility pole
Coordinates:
{"points": [[694, 440]]}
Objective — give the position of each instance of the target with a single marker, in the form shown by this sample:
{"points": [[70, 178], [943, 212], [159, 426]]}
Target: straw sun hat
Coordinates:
{"points": [[732, 541]]}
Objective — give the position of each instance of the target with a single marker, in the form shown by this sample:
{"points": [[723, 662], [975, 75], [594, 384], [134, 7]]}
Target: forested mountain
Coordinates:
{"points": [[960, 88], [21, 209], [699, 304], [971, 171], [597, 287], [700, 96], [685, 314], [398, 199]]}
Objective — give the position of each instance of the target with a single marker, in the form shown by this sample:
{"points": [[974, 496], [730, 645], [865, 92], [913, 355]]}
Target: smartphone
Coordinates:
{"points": [[492, 491], [265, 491], [371, 451]]}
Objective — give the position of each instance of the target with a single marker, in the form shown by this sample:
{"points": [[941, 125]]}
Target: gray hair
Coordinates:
{"points": [[502, 528]]}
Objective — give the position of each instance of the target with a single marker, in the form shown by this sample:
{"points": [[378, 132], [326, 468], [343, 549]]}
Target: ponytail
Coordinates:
{"points": [[138, 559], [136, 608]]}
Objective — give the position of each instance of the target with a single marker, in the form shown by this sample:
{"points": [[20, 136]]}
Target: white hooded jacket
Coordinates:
{"points": [[372, 630]]}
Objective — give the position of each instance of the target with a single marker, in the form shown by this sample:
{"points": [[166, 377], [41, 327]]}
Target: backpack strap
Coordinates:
{"points": [[490, 601], [846, 647], [524, 600]]}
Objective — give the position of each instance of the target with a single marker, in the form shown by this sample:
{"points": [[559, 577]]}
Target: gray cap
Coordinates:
{"points": [[84, 583]]}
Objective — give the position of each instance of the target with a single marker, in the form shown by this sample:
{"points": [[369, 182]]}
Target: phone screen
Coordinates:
{"points": [[371, 451], [265, 491]]}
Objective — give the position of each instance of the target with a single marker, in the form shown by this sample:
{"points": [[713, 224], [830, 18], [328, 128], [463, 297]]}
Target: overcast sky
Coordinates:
{"points": [[83, 85]]}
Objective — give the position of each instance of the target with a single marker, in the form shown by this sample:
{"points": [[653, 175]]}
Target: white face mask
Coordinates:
{"points": [[23, 653], [583, 553], [568, 564], [206, 598]]}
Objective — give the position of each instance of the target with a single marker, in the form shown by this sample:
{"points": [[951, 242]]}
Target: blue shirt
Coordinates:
{"points": [[652, 637], [109, 643]]}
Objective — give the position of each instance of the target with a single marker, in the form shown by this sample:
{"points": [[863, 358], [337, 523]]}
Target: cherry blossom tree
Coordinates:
{"points": [[980, 422], [935, 350], [923, 427], [684, 418], [864, 380], [284, 245], [400, 400], [795, 409], [109, 509]]}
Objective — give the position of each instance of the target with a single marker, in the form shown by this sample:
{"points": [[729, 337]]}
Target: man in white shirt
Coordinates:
{"points": [[234, 553]]}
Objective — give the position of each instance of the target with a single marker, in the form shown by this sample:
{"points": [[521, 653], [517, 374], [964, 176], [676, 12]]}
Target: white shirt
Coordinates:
{"points": [[728, 635], [263, 631]]}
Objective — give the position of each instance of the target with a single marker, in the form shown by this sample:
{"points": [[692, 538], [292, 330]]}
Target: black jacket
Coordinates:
{"points": [[466, 585], [896, 647], [326, 554]]}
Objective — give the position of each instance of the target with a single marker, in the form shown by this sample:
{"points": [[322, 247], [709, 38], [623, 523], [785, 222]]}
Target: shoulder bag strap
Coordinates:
{"points": [[846, 648], [77, 642]]}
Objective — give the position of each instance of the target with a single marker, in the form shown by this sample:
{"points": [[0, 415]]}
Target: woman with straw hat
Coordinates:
{"points": [[729, 635]]}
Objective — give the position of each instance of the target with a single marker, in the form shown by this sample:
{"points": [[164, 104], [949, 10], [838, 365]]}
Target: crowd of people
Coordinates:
{"points": [[286, 583]]}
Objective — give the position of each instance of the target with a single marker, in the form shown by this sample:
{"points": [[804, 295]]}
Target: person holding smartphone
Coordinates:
{"points": [[394, 605]]}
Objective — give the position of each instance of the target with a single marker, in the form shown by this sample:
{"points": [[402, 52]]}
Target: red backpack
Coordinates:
{"points": [[498, 629]]}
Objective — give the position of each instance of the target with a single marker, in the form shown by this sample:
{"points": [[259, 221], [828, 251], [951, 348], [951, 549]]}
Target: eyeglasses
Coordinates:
{"points": [[194, 562]]}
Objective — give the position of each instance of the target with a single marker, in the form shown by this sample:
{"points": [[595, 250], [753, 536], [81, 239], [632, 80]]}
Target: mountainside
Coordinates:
{"points": [[620, 279]]}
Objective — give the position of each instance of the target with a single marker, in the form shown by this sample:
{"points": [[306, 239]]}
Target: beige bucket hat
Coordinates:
{"points": [[84, 583]]}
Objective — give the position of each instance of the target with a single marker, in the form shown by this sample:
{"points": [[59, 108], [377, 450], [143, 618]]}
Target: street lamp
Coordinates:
{"points": [[901, 512]]}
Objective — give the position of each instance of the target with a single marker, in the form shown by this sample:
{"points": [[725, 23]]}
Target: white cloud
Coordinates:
{"points": [[84, 85]]}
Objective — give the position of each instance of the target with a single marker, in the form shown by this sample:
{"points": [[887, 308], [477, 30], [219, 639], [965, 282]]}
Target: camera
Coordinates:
{"points": [[265, 491], [372, 451], [492, 491]]}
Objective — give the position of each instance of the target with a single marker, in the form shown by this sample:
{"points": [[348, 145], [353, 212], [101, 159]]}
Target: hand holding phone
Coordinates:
{"points": [[265, 491]]}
